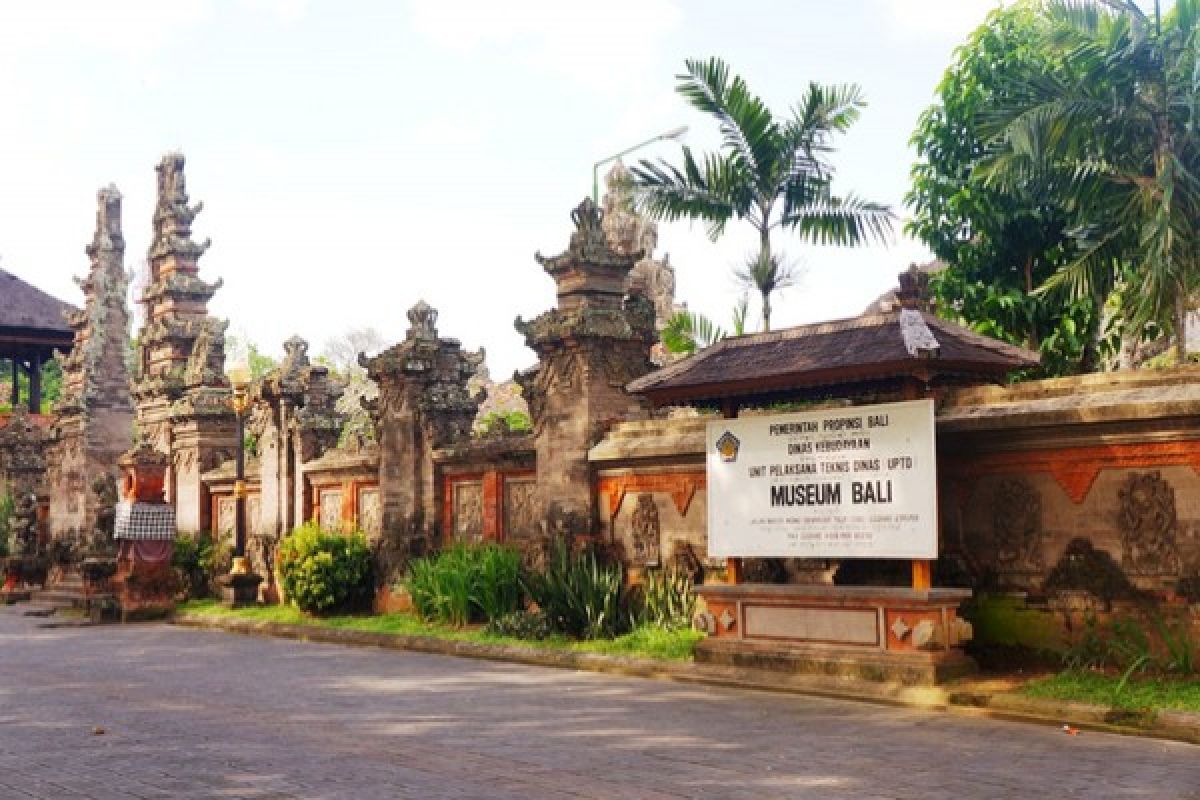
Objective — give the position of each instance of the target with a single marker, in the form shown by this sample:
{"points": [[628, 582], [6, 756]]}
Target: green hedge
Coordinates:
{"points": [[322, 572]]}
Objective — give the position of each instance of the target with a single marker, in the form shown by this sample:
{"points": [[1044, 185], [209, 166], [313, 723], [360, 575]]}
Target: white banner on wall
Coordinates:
{"points": [[854, 482]]}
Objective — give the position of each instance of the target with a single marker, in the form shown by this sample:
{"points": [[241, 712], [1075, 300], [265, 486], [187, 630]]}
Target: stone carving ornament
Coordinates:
{"points": [[1148, 525], [1017, 526], [647, 533]]}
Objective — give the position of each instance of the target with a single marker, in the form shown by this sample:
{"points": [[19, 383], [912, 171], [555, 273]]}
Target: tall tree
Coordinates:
{"points": [[771, 173], [999, 244], [1113, 135]]}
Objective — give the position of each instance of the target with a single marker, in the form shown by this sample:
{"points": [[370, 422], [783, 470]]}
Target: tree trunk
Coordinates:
{"points": [[1180, 315], [1089, 360], [1032, 339], [764, 255]]}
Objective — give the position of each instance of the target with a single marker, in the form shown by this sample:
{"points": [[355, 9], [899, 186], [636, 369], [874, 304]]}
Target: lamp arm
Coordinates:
{"points": [[596, 167]]}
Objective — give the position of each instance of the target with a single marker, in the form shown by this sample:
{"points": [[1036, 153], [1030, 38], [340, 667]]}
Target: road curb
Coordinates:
{"points": [[954, 698]]}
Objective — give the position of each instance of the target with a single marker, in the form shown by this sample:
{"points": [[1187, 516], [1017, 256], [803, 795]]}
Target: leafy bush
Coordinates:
{"points": [[466, 584], [1131, 646], [579, 596], [522, 625], [6, 513], [498, 423], [322, 572], [194, 559], [666, 600]]}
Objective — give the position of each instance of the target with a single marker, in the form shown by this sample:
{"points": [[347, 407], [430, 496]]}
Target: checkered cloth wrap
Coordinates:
{"points": [[144, 521]]}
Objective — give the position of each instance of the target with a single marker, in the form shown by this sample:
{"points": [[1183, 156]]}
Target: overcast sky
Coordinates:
{"points": [[356, 157]]}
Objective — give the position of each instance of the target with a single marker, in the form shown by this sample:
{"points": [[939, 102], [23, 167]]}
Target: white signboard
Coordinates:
{"points": [[855, 482]]}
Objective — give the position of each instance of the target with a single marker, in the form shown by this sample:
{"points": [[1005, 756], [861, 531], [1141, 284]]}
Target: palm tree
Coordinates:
{"points": [[772, 173], [1114, 134]]}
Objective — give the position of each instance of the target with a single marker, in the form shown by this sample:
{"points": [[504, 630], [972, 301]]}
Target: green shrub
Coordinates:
{"points": [[465, 584], [1134, 645], [666, 600], [522, 625], [194, 559], [322, 572], [6, 514], [579, 596]]}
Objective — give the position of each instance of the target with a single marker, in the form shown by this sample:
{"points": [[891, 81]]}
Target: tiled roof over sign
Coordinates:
{"points": [[872, 347]]}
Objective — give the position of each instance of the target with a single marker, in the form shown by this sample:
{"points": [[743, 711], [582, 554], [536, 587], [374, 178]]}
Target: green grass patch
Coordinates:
{"points": [[643, 642], [1137, 694]]}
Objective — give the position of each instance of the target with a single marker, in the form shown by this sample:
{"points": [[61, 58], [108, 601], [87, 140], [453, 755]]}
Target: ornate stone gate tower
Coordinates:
{"points": [[183, 406], [423, 404], [94, 416], [595, 342]]}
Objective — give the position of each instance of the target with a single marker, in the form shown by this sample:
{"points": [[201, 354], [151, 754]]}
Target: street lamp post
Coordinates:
{"points": [[240, 586], [675, 134], [239, 378]]}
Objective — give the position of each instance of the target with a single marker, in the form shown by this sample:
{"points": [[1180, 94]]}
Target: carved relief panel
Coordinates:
{"points": [[331, 509], [370, 512], [468, 511], [1148, 525], [520, 518], [647, 534], [254, 515], [1017, 526], [226, 521]]}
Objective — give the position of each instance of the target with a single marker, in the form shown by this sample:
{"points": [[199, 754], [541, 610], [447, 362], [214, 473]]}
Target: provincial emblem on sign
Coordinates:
{"points": [[728, 446]]}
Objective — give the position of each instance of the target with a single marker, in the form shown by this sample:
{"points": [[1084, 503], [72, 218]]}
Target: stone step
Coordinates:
{"points": [[58, 598]]}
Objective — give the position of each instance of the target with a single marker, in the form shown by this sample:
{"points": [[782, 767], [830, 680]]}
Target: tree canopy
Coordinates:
{"points": [[1057, 177]]}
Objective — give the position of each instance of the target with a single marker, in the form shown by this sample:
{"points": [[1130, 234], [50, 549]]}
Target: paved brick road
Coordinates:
{"points": [[195, 714]]}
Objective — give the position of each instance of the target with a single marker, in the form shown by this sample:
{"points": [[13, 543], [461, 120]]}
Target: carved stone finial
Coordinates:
{"points": [[422, 320], [172, 214], [295, 351], [108, 235], [913, 293]]}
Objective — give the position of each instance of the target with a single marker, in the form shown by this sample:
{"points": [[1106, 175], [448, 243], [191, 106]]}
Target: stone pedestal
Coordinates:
{"points": [[239, 590], [868, 632]]}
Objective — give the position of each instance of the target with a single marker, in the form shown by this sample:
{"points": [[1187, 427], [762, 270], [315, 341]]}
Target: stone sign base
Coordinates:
{"points": [[913, 636]]}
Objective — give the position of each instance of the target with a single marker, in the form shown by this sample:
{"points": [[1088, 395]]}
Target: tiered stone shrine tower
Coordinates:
{"points": [[94, 417], [423, 404], [596, 341], [182, 394]]}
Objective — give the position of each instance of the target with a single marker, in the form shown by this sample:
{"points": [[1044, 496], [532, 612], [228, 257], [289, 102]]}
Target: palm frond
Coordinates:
{"points": [[842, 221], [748, 130], [688, 331], [715, 191]]}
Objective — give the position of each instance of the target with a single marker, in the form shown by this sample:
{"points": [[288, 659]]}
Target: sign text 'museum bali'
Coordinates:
{"points": [[839, 483]]}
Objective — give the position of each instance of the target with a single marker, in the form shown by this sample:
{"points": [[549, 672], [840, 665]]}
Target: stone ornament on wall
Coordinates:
{"points": [[1017, 526], [468, 511], [647, 533], [1148, 525]]}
